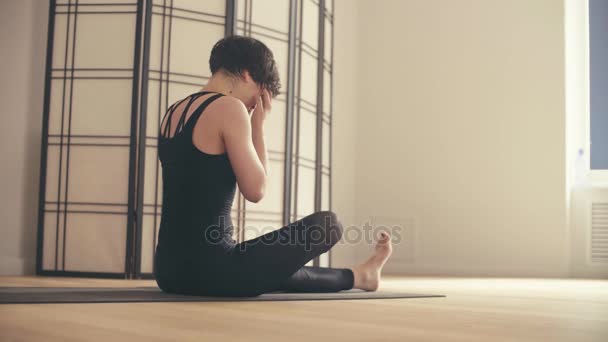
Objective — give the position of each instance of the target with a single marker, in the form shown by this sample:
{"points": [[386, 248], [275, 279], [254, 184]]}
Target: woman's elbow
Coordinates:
{"points": [[256, 192], [256, 196]]}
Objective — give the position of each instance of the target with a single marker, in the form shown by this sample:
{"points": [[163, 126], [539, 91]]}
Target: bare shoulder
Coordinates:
{"points": [[232, 109], [230, 104]]}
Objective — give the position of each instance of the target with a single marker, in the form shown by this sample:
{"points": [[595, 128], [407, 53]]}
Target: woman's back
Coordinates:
{"points": [[198, 188]]}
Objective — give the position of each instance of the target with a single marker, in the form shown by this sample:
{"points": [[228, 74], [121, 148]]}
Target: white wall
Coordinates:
{"points": [[346, 75], [22, 52], [462, 131]]}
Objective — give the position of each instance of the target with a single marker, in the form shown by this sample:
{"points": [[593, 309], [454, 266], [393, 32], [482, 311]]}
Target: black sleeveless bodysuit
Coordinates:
{"points": [[198, 191], [196, 253]]}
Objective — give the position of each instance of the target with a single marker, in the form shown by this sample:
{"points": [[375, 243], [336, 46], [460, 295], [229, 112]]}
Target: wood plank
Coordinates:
{"points": [[475, 309]]}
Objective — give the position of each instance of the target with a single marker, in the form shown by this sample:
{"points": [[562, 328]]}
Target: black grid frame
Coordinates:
{"points": [[138, 212], [137, 142], [72, 10]]}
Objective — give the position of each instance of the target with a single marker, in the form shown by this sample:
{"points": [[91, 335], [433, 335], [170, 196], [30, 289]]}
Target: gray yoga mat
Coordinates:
{"points": [[42, 295]]}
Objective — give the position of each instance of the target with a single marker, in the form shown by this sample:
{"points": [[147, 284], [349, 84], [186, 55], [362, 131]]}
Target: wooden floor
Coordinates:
{"points": [[489, 309]]}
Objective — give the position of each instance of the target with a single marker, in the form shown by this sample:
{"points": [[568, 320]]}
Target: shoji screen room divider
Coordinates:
{"points": [[113, 68]]}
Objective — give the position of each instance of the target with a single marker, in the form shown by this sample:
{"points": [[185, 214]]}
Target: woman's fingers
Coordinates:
{"points": [[259, 104], [266, 100]]}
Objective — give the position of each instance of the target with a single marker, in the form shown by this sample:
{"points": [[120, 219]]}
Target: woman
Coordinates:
{"points": [[203, 158]]}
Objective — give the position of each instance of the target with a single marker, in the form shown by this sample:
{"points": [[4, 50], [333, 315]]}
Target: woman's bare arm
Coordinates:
{"points": [[239, 135], [263, 106]]}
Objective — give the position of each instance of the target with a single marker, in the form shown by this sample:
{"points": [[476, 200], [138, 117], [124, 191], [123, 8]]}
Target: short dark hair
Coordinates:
{"points": [[235, 54]]}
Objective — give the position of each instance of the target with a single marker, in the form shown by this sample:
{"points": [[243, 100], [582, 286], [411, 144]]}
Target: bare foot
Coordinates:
{"points": [[367, 274]]}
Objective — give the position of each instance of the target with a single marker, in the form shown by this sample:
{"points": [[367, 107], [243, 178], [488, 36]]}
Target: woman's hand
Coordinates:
{"points": [[262, 108]]}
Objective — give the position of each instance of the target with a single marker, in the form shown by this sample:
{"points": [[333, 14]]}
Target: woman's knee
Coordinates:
{"points": [[329, 227]]}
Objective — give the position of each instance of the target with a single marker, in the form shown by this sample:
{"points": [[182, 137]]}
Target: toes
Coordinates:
{"points": [[383, 237]]}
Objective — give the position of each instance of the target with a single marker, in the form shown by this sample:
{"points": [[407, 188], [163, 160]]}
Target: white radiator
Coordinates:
{"points": [[598, 238]]}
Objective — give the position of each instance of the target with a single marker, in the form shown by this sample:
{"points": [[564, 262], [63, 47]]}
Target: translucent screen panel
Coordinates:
{"points": [[55, 174], [152, 207], [156, 108], [94, 184], [327, 39], [263, 17], [310, 24], [149, 238], [95, 242], [326, 145], [307, 135], [305, 132], [191, 42], [326, 190], [92, 113], [305, 156], [215, 8], [329, 6], [270, 208], [61, 38], [272, 14], [93, 236], [103, 107], [242, 18], [153, 179], [104, 35], [90, 174], [94, 2], [105, 40], [159, 38], [98, 174], [274, 129], [327, 108], [52, 255], [274, 125], [88, 142], [324, 259], [56, 115], [308, 79], [255, 228], [305, 193], [327, 95], [268, 22]]}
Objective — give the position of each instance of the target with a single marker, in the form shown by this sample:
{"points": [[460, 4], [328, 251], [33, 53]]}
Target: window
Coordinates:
{"points": [[598, 70]]}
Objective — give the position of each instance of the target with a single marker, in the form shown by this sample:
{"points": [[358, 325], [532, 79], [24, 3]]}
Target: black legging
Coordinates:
{"points": [[270, 262]]}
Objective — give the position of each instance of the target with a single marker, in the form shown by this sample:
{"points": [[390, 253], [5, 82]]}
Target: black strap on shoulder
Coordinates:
{"points": [[197, 112], [172, 109], [180, 123]]}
